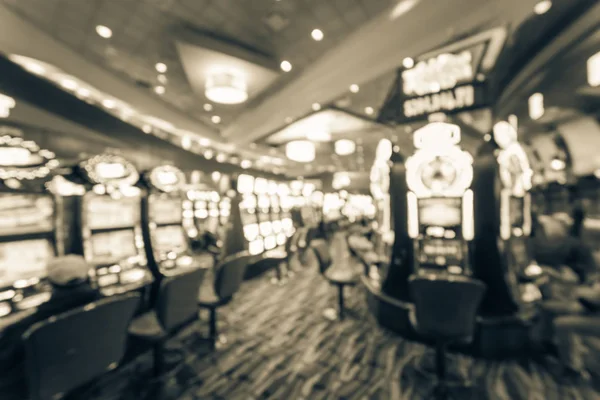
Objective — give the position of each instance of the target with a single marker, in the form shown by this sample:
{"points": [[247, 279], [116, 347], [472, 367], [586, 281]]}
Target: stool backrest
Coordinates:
{"points": [[66, 351], [230, 274], [446, 306], [177, 301], [321, 250]]}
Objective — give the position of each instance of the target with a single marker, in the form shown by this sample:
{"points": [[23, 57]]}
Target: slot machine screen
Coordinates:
{"points": [[110, 247], [517, 207], [248, 210], [169, 238], [166, 210], [245, 184], [444, 212], [104, 212], [449, 252], [24, 259], [25, 213]]}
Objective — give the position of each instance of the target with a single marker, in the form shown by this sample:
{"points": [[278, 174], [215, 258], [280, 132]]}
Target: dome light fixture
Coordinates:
{"points": [[300, 151], [317, 35], [344, 147], [226, 88], [286, 66], [104, 31]]}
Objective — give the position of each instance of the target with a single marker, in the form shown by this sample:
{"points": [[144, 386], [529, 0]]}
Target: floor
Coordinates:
{"points": [[280, 346]]}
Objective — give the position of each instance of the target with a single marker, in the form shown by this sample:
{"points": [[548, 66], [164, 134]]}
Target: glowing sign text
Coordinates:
{"points": [[449, 100]]}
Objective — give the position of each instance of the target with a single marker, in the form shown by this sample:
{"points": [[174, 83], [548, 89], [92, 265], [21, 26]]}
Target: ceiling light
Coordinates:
{"points": [[536, 106], [6, 104], [208, 154], [215, 176], [542, 7], [83, 92], [162, 79], [226, 88], [593, 70], [246, 164], [300, 151], [34, 68], [369, 110], [354, 88], [68, 84], [317, 35], [208, 107], [345, 147], [557, 164], [108, 103], [316, 106], [161, 67], [159, 89], [286, 66], [204, 142], [408, 62], [104, 31], [402, 8], [147, 128], [215, 119], [221, 157], [186, 142]]}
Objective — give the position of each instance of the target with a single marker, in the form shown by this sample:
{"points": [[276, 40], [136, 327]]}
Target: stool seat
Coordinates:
{"points": [[147, 327], [209, 299], [341, 276]]}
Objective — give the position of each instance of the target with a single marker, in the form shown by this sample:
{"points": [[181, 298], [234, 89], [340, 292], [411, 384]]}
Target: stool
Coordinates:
{"points": [[341, 278]]}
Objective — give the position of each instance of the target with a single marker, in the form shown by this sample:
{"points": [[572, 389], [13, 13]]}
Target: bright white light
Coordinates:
{"points": [[104, 31], [204, 142], [316, 106], [300, 151], [354, 88], [186, 142], [6, 104], [159, 90], [558, 164], [215, 176], [34, 68], [215, 119], [162, 79], [402, 8], [536, 106], [83, 92], [68, 84], [542, 7], [221, 157], [319, 135], [408, 62], [369, 110], [108, 103], [161, 67], [147, 128], [344, 147], [208, 154], [286, 66], [317, 35], [208, 107], [245, 164], [593, 70], [226, 88]]}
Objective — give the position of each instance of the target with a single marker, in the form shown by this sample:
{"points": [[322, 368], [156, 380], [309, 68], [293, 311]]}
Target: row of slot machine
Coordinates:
{"points": [[129, 226]]}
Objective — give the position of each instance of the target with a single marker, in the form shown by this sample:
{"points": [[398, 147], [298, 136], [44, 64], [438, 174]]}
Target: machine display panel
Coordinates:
{"points": [[104, 212], [517, 209], [169, 238], [165, 210], [24, 259], [440, 212], [441, 251], [25, 213], [110, 247]]}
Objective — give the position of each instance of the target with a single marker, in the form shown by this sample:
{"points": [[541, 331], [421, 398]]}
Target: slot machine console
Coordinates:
{"points": [[248, 205]]}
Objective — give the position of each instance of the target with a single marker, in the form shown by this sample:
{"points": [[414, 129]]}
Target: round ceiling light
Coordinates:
{"points": [[215, 119], [408, 62], [542, 7], [104, 31], [226, 88], [369, 110], [208, 107], [354, 88], [286, 66], [159, 89], [345, 147], [68, 83], [162, 79], [245, 164], [317, 35], [161, 67], [300, 151], [316, 106]]}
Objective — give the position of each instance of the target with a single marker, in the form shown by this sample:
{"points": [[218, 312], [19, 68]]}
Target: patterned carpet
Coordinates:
{"points": [[281, 347]]}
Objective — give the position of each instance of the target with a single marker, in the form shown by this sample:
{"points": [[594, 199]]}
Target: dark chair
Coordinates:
{"points": [[174, 308], [339, 276], [228, 278], [67, 351], [445, 311]]}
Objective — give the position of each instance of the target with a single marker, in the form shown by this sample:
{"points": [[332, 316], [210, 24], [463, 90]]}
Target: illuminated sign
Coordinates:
{"points": [[443, 72], [593, 70], [6, 104], [24, 160], [110, 169], [167, 178]]}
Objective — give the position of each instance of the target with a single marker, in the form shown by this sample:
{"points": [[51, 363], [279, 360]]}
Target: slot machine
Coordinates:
{"points": [[167, 247], [30, 225], [110, 224], [261, 190], [248, 209], [502, 183], [440, 201], [276, 214], [286, 204]]}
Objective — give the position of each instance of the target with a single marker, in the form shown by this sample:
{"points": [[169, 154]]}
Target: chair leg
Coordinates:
{"points": [[158, 360], [341, 301], [213, 325]]}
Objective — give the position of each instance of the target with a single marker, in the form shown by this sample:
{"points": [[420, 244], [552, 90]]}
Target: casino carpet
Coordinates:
{"points": [[281, 347]]}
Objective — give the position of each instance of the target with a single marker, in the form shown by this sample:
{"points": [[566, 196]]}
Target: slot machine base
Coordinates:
{"points": [[495, 338]]}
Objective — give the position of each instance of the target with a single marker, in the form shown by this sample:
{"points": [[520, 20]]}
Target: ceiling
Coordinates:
{"points": [[364, 44]]}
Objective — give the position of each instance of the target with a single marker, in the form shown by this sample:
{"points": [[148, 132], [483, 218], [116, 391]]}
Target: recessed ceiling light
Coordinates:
{"points": [[108, 103], [204, 142], [83, 92], [221, 157], [542, 7], [408, 62], [104, 31], [316, 106], [147, 128], [162, 79], [161, 68], [215, 119], [245, 164], [317, 35], [159, 89], [208, 107], [208, 154], [35, 68], [68, 83], [354, 88], [369, 110], [286, 66]]}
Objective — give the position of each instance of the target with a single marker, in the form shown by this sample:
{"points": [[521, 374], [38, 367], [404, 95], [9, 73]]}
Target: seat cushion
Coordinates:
{"points": [[209, 299], [342, 276], [147, 327]]}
